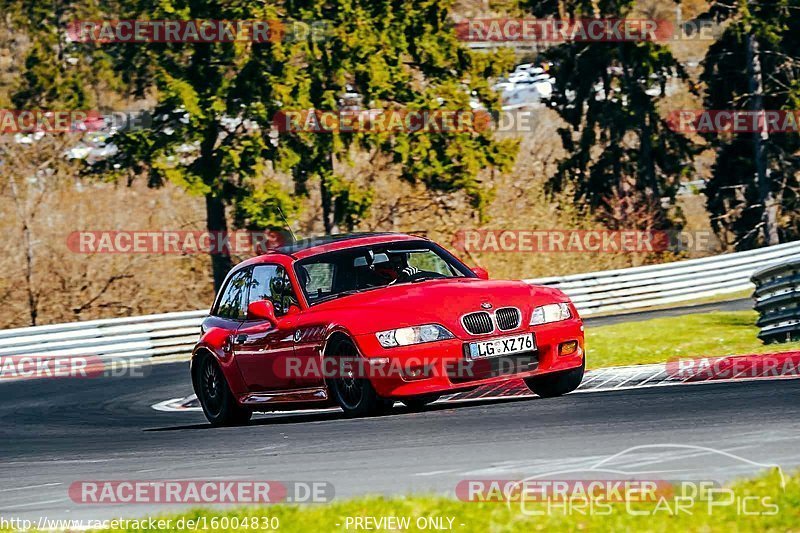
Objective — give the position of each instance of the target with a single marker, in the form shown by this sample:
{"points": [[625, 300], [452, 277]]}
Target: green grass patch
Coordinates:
{"points": [[661, 339], [778, 508]]}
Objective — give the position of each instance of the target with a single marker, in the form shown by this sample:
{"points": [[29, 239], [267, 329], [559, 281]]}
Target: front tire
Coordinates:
{"points": [[355, 395], [558, 384], [218, 403]]}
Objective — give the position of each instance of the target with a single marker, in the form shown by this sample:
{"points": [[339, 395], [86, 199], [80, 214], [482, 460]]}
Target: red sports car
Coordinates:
{"points": [[364, 320]]}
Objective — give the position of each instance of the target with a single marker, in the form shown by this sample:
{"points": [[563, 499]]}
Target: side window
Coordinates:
{"points": [[232, 303], [271, 282]]}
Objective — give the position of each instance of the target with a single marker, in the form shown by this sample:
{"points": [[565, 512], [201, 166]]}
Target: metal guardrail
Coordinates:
{"points": [[119, 338], [595, 292], [777, 298], [647, 286]]}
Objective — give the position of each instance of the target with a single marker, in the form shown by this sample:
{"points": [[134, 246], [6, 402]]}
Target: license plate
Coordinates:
{"points": [[501, 346]]}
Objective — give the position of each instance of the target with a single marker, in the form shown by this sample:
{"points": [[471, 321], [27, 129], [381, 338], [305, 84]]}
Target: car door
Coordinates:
{"points": [[318, 280], [264, 350]]}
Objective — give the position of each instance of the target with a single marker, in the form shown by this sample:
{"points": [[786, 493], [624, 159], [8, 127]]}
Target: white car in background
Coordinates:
{"points": [[532, 90], [94, 147], [503, 85], [528, 92], [527, 85], [524, 67]]}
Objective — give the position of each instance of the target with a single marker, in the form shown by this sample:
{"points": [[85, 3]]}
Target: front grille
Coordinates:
{"points": [[507, 318], [478, 323]]}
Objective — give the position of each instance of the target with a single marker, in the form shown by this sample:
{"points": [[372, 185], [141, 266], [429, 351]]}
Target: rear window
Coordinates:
{"points": [[320, 278]]}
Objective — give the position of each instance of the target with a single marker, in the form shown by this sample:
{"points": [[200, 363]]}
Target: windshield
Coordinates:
{"points": [[327, 276]]}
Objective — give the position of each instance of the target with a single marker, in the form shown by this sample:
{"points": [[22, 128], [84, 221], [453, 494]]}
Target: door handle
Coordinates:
{"points": [[240, 339]]}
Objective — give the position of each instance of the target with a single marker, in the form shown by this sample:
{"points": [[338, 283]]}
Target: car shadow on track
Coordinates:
{"points": [[277, 418]]}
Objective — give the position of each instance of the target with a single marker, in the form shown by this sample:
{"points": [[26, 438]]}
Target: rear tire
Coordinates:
{"points": [[218, 402], [356, 396], [552, 385], [418, 403]]}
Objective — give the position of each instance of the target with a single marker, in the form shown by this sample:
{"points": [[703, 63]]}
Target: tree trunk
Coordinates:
{"points": [[33, 296], [327, 206], [326, 162], [217, 225], [760, 139], [647, 163], [208, 166], [33, 300]]}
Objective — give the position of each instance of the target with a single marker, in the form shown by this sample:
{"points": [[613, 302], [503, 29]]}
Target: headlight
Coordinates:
{"points": [[412, 335], [550, 313]]}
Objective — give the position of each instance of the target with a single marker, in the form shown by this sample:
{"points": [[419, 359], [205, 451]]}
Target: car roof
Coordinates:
{"points": [[311, 242], [329, 243]]}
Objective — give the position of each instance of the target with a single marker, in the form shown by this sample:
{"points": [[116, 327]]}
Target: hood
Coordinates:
{"points": [[441, 301]]}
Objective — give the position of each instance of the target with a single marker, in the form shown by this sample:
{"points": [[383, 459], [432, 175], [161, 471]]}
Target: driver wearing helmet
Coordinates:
{"points": [[396, 268]]}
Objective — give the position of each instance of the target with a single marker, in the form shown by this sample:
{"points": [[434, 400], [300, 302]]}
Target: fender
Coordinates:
{"points": [[338, 329], [230, 369]]}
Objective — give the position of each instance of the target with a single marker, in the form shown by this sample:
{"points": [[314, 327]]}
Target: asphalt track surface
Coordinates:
{"points": [[58, 431]]}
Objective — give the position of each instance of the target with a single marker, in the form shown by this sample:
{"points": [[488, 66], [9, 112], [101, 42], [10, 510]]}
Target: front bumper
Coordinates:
{"points": [[441, 367]]}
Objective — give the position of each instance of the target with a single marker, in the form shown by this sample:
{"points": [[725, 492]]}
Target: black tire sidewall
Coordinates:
{"points": [[230, 413], [553, 385], [369, 403]]}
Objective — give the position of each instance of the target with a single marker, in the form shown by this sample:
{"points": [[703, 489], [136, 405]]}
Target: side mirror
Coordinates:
{"points": [[481, 272], [261, 310]]}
